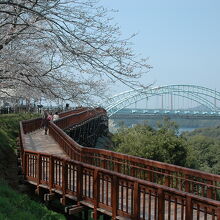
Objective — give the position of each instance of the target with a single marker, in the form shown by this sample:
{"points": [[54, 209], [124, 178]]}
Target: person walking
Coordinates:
{"points": [[47, 119], [55, 116]]}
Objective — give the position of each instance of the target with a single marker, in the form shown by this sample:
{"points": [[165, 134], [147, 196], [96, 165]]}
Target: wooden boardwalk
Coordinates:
{"points": [[39, 142], [99, 179]]}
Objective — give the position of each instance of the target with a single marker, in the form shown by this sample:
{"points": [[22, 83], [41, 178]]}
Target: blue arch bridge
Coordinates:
{"points": [[175, 101]]}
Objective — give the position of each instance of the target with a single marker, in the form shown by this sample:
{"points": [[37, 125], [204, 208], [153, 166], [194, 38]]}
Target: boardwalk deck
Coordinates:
{"points": [[87, 179], [39, 142]]}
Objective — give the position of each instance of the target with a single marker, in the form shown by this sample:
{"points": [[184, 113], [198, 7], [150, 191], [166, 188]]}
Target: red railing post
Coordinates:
{"points": [[96, 190], [161, 204], [210, 190], [114, 195], [79, 182], [51, 174], [24, 163], [150, 174], [64, 180], [103, 162], [136, 201], [218, 213], [80, 156], [187, 184], [39, 173], [116, 167], [39, 170], [189, 208], [132, 170], [167, 178]]}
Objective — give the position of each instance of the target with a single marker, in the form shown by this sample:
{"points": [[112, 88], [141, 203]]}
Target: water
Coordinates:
{"points": [[181, 130]]}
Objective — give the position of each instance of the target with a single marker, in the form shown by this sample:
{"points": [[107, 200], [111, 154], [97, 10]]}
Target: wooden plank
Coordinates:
{"points": [[96, 191], [74, 209], [114, 196], [39, 142], [189, 208], [50, 196], [161, 204]]}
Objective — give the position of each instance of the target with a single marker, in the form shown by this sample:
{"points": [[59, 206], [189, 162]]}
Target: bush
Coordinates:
{"points": [[162, 144]]}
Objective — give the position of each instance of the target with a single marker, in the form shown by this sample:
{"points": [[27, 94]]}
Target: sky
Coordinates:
{"points": [[181, 38]]}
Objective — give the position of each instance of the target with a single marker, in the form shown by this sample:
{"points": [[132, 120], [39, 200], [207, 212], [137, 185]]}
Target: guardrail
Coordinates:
{"points": [[188, 180], [176, 185], [119, 194], [79, 117], [184, 179]]}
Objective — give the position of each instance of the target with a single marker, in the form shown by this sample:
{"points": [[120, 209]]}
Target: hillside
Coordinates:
{"points": [[9, 132], [14, 205]]}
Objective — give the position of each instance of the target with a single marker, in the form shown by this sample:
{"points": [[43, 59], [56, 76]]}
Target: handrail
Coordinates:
{"points": [[34, 124], [72, 148], [72, 111], [208, 184], [79, 117], [119, 194], [188, 180]]}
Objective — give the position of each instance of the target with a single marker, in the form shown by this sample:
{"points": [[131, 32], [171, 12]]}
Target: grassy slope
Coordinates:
{"points": [[9, 130], [14, 205]]}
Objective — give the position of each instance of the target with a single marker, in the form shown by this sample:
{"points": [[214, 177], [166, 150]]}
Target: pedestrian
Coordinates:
{"points": [[48, 118], [44, 117], [55, 116]]}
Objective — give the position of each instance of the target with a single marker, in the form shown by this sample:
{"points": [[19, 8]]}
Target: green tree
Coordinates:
{"points": [[160, 144], [204, 153]]}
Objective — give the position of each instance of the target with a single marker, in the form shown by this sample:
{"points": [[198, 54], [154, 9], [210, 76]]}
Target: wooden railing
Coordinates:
{"points": [[79, 117], [188, 180], [34, 124], [184, 179], [116, 193], [31, 125], [168, 187]]}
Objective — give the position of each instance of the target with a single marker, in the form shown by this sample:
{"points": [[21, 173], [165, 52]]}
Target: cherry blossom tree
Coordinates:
{"points": [[68, 49]]}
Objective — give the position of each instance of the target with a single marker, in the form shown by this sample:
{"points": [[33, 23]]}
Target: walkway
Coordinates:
{"points": [[112, 183], [39, 142]]}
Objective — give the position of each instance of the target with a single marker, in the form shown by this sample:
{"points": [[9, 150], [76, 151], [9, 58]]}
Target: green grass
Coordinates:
{"points": [[9, 128], [14, 206], [9, 132]]}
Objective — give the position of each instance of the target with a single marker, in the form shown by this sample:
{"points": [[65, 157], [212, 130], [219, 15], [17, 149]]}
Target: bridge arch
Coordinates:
{"points": [[201, 95]]}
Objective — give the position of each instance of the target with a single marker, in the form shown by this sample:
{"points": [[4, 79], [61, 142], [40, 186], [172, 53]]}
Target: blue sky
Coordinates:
{"points": [[180, 37]]}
